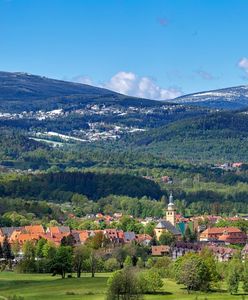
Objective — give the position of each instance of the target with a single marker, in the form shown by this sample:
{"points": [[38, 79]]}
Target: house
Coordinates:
{"points": [[24, 237], [237, 165], [222, 254], [7, 231], [114, 236], [230, 235], [82, 235], [160, 250], [181, 248], [143, 239], [129, 237], [53, 230], [34, 233], [166, 179], [118, 215], [99, 216], [34, 229]]}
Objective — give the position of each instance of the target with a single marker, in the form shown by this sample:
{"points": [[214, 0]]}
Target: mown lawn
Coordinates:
{"points": [[46, 287]]}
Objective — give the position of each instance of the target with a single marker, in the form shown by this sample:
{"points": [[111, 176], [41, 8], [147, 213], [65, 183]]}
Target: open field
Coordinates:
{"points": [[37, 287]]}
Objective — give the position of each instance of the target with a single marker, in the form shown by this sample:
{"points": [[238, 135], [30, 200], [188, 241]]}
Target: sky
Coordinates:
{"points": [[156, 49]]}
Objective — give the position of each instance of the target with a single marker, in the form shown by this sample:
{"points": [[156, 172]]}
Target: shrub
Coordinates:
{"points": [[151, 281], [124, 285], [111, 265]]}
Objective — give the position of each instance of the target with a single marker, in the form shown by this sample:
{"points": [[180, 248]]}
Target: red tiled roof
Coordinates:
{"points": [[160, 250], [34, 229], [143, 237], [24, 237], [221, 230]]}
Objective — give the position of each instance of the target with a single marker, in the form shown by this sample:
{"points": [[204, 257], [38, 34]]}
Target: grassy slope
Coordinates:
{"points": [[37, 287]]}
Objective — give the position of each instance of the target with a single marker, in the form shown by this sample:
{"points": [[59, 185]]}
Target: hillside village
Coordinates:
{"points": [[98, 122], [184, 235]]}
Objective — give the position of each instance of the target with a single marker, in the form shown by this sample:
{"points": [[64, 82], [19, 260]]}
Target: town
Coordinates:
{"points": [[173, 236], [157, 248]]}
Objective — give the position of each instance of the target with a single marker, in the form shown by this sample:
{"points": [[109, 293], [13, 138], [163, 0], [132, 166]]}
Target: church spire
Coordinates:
{"points": [[171, 211]]}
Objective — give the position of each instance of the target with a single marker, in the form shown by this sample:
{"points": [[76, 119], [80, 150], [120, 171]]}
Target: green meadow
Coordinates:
{"points": [[37, 287]]}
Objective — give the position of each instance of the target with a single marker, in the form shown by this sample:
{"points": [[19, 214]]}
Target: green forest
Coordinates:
{"points": [[133, 167]]}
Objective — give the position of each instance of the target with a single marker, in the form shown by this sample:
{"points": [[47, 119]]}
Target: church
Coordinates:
{"points": [[169, 224]]}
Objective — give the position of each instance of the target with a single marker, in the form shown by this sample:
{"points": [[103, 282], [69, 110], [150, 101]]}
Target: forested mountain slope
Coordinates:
{"points": [[219, 136]]}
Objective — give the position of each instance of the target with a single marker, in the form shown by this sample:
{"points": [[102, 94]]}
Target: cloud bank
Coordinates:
{"points": [[128, 83]]}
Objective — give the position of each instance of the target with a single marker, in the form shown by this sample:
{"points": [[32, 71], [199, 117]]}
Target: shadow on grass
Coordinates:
{"points": [[6, 284], [160, 293]]}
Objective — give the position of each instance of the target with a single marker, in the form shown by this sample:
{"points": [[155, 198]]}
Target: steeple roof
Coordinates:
{"points": [[171, 205]]}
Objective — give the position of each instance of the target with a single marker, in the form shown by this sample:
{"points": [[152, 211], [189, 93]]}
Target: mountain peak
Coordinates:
{"points": [[226, 98]]}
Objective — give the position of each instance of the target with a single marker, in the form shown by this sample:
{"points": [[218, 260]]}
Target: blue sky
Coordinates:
{"points": [[150, 48]]}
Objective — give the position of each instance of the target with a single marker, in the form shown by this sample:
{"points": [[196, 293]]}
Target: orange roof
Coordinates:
{"points": [[84, 235], [14, 236], [56, 238], [224, 237], [159, 250], [54, 229], [221, 230], [36, 229], [143, 237], [24, 237], [99, 215]]}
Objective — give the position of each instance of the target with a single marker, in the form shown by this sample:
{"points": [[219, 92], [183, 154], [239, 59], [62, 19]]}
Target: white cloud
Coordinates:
{"points": [[243, 64], [130, 84]]}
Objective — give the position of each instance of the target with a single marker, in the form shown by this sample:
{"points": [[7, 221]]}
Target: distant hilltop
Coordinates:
{"points": [[227, 98]]}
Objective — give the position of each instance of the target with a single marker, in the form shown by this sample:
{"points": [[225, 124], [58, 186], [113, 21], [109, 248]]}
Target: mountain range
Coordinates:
{"points": [[81, 112], [23, 91], [207, 125], [20, 91]]}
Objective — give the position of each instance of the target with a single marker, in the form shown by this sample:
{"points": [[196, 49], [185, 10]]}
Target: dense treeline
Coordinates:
{"points": [[20, 212], [13, 143], [61, 186]]}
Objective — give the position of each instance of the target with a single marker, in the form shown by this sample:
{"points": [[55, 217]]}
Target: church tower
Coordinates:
{"points": [[171, 211]]}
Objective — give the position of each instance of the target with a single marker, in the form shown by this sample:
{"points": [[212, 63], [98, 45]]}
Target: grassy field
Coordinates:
{"points": [[37, 287]]}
